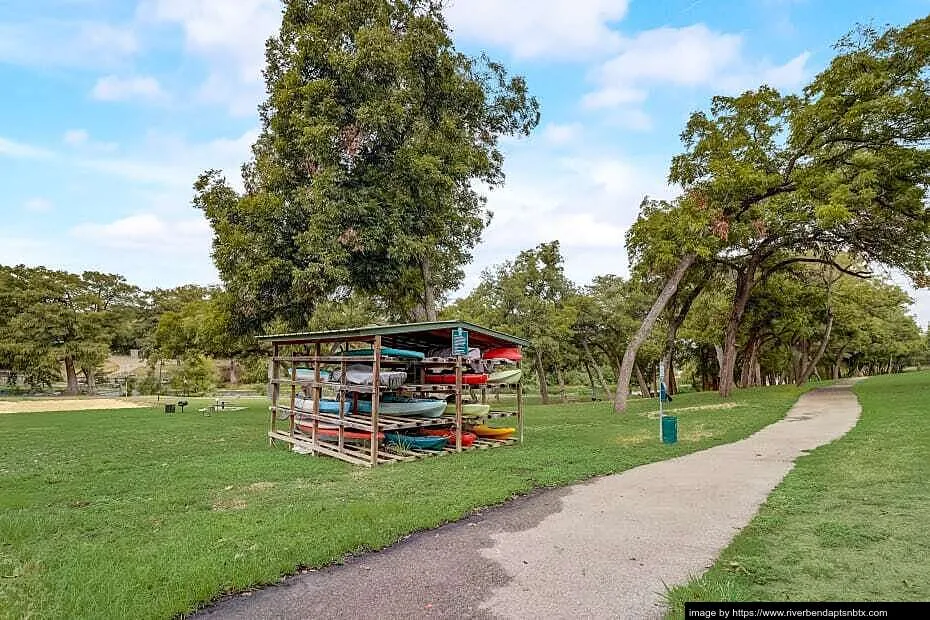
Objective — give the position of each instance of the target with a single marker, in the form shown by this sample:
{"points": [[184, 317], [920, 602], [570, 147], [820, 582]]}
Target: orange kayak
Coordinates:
{"points": [[490, 432]]}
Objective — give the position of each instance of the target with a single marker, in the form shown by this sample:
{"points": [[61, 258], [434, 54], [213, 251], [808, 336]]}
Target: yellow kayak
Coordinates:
{"points": [[494, 433], [469, 409]]}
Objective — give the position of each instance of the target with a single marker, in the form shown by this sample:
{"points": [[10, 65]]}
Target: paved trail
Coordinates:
{"points": [[601, 549]]}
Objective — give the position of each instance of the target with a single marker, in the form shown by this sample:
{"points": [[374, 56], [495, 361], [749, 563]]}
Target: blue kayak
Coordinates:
{"points": [[401, 353], [423, 442], [326, 406], [402, 406]]}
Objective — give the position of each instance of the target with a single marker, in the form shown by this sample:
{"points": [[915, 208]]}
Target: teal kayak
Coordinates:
{"points": [[402, 406], [423, 442], [401, 353]]}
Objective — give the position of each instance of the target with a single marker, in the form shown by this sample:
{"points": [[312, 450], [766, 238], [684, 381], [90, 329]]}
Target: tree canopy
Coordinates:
{"points": [[375, 132]]}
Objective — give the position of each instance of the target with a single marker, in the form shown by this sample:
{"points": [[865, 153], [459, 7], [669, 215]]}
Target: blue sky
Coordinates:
{"points": [[110, 108]]}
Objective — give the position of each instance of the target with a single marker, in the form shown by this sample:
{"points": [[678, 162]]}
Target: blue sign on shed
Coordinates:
{"points": [[459, 341]]}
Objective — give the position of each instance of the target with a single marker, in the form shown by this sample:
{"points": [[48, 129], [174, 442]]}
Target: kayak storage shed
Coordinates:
{"points": [[384, 394]]}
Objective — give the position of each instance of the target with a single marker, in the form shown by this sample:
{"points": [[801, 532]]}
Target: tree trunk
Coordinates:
{"points": [[597, 369], [541, 373], [233, 372], [587, 369], [91, 379], [672, 333], [629, 357], [71, 376], [748, 367], [671, 383], [429, 299], [744, 284], [561, 379], [811, 366], [644, 390]]}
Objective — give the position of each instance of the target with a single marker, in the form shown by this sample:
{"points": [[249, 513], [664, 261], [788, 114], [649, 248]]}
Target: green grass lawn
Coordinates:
{"points": [[850, 522], [134, 514]]}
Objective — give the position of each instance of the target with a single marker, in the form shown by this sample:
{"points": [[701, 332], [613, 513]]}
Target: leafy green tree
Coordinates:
{"points": [[50, 317], [842, 168], [529, 297], [375, 134], [195, 376]]}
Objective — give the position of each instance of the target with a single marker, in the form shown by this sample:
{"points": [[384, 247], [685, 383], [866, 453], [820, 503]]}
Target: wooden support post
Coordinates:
{"points": [[275, 391], [458, 403], [520, 408], [317, 397], [375, 400], [342, 398], [292, 422]]}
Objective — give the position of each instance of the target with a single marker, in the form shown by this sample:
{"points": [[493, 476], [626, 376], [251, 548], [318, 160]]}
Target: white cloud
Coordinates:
{"points": [[18, 150], [586, 201], [80, 139], [631, 118], [172, 161], [558, 134], [115, 88], [20, 250], [540, 28], [66, 43], [685, 57], [38, 205], [229, 36], [149, 232], [75, 137]]}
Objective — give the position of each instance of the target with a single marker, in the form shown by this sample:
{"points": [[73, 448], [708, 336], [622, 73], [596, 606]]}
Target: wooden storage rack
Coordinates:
{"points": [[318, 349]]}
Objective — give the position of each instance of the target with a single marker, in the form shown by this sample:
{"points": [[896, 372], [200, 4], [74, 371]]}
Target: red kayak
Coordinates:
{"points": [[467, 379], [448, 433], [511, 354], [329, 432]]}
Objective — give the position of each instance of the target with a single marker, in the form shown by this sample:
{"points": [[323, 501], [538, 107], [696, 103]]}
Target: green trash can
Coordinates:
{"points": [[669, 429]]}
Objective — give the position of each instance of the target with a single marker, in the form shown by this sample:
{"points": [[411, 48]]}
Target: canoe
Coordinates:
{"points": [[423, 442], [467, 379], [482, 430], [326, 406], [512, 375], [401, 353], [470, 409], [467, 438], [360, 374], [401, 406], [329, 432], [511, 354]]}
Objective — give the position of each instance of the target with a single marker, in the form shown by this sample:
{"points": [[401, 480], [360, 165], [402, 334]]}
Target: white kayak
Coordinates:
{"points": [[360, 374]]}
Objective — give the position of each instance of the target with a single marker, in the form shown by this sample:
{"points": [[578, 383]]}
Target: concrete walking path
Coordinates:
{"points": [[606, 548]]}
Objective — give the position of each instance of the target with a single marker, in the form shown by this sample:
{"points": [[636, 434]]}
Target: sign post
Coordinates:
{"points": [[661, 397]]}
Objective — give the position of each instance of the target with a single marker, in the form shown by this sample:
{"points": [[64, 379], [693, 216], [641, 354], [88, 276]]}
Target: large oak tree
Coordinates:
{"points": [[376, 135]]}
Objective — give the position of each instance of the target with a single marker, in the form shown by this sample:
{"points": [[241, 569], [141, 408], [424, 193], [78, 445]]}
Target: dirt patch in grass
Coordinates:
{"points": [[65, 404], [636, 439], [729, 405], [262, 486], [232, 503]]}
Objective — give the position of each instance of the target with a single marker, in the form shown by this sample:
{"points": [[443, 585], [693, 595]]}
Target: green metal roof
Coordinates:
{"points": [[409, 334]]}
